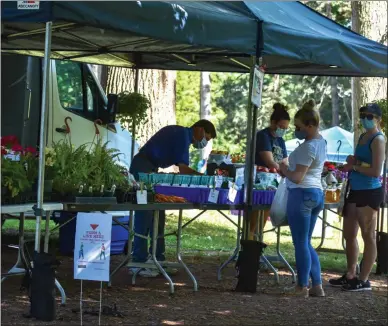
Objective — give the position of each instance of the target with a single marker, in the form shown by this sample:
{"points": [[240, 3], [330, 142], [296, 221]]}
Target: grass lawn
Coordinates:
{"points": [[213, 235]]}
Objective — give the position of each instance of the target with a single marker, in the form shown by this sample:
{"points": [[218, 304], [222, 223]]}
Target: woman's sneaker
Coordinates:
{"points": [[338, 282], [356, 285]]}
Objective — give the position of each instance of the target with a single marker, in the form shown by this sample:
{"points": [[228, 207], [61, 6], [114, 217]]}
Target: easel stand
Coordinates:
{"points": [[81, 304]]}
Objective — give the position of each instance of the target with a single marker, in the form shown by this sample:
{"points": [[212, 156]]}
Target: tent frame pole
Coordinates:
{"points": [[250, 153], [136, 90], [43, 133]]}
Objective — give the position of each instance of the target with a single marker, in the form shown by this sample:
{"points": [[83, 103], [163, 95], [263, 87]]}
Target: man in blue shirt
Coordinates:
{"points": [[169, 146]]}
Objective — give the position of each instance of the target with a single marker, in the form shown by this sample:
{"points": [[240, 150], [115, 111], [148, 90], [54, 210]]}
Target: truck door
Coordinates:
{"points": [[77, 94]]}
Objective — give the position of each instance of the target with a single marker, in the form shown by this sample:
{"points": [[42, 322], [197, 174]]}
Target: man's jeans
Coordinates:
{"points": [[144, 219]]}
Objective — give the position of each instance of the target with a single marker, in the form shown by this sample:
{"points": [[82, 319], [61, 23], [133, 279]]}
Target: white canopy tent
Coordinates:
{"points": [[339, 144]]}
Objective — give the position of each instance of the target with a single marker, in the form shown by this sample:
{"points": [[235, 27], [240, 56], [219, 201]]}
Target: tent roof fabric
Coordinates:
{"points": [[191, 35]]}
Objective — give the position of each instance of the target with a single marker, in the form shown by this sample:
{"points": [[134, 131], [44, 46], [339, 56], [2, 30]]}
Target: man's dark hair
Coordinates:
{"points": [[207, 126]]}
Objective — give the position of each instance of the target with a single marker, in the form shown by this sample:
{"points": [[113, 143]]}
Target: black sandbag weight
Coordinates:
{"points": [[247, 265], [42, 289]]}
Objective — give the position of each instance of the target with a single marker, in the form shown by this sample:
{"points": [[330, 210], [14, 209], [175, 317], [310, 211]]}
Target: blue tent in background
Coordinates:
{"points": [[189, 35], [339, 144]]}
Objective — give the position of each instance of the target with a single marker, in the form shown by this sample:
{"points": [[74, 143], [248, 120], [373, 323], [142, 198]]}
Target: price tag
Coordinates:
{"points": [[232, 194], [218, 181], [213, 196], [141, 195]]}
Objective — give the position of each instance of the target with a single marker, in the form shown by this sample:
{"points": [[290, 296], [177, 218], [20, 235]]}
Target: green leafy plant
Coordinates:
{"points": [[104, 168], [133, 109], [383, 104], [71, 167], [14, 176]]}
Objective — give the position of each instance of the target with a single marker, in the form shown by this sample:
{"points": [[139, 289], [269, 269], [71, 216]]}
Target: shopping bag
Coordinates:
{"points": [[278, 212], [341, 210]]}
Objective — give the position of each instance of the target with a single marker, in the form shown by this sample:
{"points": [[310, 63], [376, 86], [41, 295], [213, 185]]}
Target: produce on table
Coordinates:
{"points": [[238, 158], [264, 169], [159, 198]]}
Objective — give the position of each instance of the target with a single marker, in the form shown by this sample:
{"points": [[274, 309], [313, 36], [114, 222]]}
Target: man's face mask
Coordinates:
{"points": [[200, 144]]}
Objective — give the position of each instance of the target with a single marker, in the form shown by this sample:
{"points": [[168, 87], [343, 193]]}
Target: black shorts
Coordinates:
{"points": [[362, 198]]}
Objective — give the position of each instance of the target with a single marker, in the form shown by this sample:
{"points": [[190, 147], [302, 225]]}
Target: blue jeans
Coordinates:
{"points": [[144, 219], [303, 208]]}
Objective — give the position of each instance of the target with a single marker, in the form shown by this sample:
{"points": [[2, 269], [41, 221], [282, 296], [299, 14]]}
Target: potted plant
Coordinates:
{"points": [[132, 111], [14, 178], [105, 174], [70, 168]]}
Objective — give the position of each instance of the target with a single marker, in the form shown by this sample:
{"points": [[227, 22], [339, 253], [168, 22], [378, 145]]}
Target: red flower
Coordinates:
{"points": [[9, 141], [30, 150], [17, 148], [3, 151]]}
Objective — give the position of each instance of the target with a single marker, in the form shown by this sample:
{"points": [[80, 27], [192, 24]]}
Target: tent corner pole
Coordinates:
{"points": [[250, 152], [136, 90], [43, 132]]}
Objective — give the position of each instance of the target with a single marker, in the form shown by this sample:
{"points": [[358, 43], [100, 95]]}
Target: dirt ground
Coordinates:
{"points": [[148, 303]]}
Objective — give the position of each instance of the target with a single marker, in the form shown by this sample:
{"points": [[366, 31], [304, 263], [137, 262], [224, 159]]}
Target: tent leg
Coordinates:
{"points": [[136, 90], [43, 132], [250, 153]]}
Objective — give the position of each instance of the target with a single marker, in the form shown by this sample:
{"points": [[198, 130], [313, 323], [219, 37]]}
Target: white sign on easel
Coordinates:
{"points": [[257, 87], [92, 247], [92, 251]]}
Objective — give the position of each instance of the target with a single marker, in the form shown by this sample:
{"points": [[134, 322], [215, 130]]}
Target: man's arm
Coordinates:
{"points": [[184, 169]]}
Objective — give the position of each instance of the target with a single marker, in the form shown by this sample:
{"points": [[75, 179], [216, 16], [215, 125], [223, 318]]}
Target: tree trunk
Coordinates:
{"points": [[369, 18], [158, 85], [205, 106]]}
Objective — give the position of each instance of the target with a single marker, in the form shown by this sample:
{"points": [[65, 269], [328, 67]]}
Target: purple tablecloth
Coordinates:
{"points": [[201, 195]]}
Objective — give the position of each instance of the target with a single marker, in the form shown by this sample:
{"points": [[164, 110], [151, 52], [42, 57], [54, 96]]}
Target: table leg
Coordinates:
{"points": [[282, 259], [19, 267], [236, 250], [178, 252], [324, 219], [263, 257], [154, 244], [129, 247]]}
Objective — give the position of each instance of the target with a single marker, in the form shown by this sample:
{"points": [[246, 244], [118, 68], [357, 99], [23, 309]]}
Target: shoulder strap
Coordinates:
{"points": [[373, 138]]}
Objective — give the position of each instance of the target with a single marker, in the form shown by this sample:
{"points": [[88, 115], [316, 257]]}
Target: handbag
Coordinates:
{"points": [[341, 210]]}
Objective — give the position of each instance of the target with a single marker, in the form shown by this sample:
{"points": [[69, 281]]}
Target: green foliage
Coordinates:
{"points": [[383, 104], [103, 167], [71, 167], [14, 177], [78, 166], [133, 108]]}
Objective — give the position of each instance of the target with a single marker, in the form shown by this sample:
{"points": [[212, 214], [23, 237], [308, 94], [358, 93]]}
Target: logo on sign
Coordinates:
{"points": [[28, 5], [94, 226]]}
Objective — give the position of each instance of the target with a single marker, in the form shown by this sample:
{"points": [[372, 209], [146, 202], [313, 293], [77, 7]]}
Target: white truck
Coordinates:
{"points": [[74, 92]]}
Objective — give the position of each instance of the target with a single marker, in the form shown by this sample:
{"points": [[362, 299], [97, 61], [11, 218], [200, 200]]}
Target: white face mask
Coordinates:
{"points": [[280, 132], [200, 144]]}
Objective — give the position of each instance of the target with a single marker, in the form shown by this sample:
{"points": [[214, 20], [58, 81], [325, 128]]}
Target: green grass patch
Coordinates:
{"points": [[213, 235]]}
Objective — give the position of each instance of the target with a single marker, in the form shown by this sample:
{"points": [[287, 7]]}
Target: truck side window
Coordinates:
{"points": [[69, 79], [78, 91]]}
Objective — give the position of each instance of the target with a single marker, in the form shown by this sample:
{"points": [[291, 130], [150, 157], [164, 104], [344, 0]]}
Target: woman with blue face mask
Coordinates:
{"points": [[305, 198], [271, 149], [364, 200]]}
